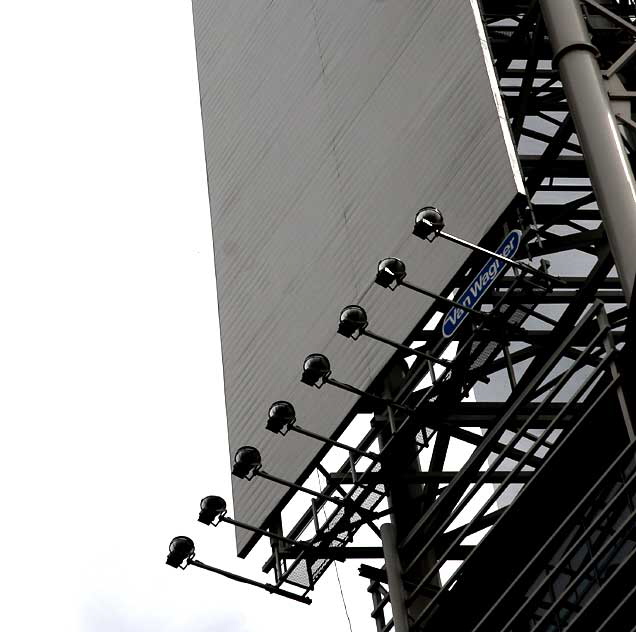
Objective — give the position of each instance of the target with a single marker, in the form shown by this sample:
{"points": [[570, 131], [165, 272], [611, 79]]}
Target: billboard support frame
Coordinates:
{"points": [[584, 323]]}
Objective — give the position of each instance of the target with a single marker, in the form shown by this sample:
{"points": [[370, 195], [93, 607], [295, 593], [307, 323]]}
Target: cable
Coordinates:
{"points": [[344, 602]]}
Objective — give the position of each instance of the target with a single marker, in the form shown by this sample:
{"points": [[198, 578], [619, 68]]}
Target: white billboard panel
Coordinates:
{"points": [[327, 125]]}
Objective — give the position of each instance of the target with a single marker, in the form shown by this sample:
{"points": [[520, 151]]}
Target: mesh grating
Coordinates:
{"points": [[341, 526], [492, 348]]}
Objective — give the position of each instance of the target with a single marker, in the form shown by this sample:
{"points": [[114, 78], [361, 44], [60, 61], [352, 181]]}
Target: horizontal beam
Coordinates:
{"points": [[531, 336], [335, 552], [484, 414], [433, 477], [560, 214], [573, 282], [562, 167], [555, 298], [372, 573], [340, 553]]}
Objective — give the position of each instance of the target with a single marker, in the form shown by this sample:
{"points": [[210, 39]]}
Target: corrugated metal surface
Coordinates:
{"points": [[327, 124]]}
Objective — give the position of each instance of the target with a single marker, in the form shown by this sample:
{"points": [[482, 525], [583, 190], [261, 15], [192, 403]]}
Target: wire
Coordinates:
{"points": [[344, 603], [335, 564]]}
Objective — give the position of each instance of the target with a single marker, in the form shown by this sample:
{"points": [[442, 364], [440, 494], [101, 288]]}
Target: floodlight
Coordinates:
{"points": [[391, 272], [213, 508], [315, 370], [181, 549], [281, 416], [353, 321], [428, 223], [247, 461]]}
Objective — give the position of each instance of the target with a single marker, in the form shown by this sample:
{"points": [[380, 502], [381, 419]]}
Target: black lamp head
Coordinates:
{"points": [[181, 550], [281, 416], [428, 222], [353, 321], [316, 370], [391, 272], [213, 508], [247, 461]]}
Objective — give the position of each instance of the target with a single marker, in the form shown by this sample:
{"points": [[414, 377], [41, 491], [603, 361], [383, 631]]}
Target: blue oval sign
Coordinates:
{"points": [[480, 283]]}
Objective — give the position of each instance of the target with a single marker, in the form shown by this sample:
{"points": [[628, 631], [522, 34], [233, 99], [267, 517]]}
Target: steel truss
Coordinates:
{"points": [[549, 356]]}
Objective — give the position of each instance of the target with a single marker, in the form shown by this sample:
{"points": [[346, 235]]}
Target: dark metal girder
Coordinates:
{"points": [[337, 552], [372, 573], [484, 414], [562, 297], [569, 282], [551, 214], [434, 477], [533, 336], [583, 240], [562, 167], [533, 106], [341, 553]]}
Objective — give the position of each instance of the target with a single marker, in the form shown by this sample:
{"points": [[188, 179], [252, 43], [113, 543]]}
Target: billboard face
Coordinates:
{"points": [[327, 125]]}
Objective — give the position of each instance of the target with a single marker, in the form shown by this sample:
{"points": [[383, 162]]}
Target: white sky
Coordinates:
{"points": [[110, 373]]}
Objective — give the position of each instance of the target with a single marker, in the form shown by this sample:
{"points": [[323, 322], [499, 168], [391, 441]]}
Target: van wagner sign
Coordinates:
{"points": [[481, 282]]}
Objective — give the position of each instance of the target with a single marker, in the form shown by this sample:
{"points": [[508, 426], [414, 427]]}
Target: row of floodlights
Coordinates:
{"points": [[213, 511], [429, 224]]}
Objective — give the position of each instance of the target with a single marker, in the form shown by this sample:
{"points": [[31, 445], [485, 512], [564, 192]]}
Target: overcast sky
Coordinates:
{"points": [[110, 369]]}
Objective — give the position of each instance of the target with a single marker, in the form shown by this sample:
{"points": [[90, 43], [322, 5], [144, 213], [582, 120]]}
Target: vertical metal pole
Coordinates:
{"points": [[394, 578], [597, 130], [404, 495]]}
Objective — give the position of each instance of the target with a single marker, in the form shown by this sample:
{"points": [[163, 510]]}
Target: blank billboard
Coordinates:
{"points": [[327, 125]]}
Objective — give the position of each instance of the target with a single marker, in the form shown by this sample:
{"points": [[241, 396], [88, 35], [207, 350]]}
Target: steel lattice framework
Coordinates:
{"points": [[549, 440]]}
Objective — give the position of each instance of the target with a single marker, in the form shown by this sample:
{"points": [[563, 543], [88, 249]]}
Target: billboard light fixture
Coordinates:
{"points": [[353, 322], [321, 374], [247, 462], [316, 370], [429, 222], [180, 551], [211, 505], [181, 555], [213, 510], [391, 272], [281, 417]]}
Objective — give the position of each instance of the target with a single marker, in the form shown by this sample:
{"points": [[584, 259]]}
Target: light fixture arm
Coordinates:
{"points": [[361, 393], [308, 433], [263, 532], [448, 301], [396, 345], [245, 580], [511, 262]]}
